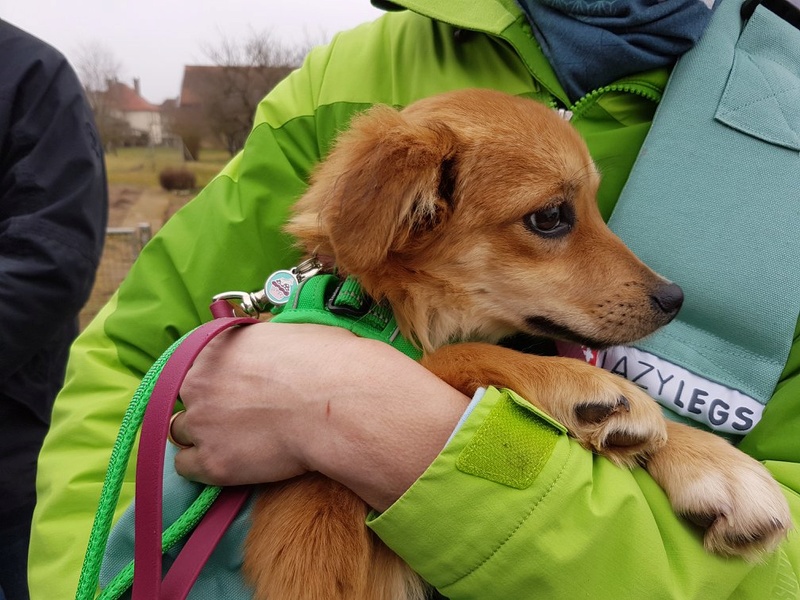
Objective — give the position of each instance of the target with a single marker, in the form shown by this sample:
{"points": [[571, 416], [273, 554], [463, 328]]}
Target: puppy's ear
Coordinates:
{"points": [[386, 186]]}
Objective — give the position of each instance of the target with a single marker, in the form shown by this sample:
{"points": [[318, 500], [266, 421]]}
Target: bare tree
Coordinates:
{"points": [[260, 49], [96, 65], [97, 69], [246, 70], [188, 123]]}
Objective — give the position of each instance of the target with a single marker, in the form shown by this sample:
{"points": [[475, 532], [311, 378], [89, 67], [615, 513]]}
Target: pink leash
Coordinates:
{"points": [[147, 583]]}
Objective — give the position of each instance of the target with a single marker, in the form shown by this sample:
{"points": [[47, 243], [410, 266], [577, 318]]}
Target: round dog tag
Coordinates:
{"points": [[279, 287]]}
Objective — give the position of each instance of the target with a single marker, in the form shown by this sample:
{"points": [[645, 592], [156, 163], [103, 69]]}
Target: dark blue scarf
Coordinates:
{"points": [[591, 43]]}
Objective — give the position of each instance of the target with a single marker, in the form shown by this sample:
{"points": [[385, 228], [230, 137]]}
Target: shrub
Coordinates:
{"points": [[177, 179]]}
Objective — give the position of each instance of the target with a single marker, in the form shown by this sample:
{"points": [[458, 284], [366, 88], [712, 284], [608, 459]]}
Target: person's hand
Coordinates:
{"points": [[270, 401]]}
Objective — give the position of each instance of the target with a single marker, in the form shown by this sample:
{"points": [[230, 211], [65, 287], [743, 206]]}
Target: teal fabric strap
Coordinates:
{"points": [[329, 300], [713, 202]]}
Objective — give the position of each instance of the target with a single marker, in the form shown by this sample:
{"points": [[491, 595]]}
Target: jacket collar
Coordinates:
{"points": [[504, 19], [499, 18]]}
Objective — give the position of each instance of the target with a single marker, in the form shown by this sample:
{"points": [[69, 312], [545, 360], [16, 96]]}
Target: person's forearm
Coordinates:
{"points": [[312, 398], [406, 417]]}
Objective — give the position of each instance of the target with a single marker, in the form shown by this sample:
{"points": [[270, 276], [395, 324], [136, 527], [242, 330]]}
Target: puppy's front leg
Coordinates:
{"points": [[604, 412], [723, 490]]}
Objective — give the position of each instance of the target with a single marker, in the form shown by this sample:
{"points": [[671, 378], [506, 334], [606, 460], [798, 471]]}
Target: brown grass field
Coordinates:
{"points": [[139, 167]]}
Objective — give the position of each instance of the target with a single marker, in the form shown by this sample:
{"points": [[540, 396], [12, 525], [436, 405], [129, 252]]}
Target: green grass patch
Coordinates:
{"points": [[140, 166]]}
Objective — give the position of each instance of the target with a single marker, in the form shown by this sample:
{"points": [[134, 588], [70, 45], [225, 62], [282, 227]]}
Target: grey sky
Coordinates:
{"points": [[154, 39]]}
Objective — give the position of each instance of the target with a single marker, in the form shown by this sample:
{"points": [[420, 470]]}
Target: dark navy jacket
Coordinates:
{"points": [[53, 213]]}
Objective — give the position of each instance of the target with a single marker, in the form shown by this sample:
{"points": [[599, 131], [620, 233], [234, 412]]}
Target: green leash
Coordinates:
{"points": [[112, 486]]}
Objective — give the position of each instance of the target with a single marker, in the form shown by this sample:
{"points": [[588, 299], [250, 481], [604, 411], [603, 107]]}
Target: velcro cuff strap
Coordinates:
{"points": [[512, 445]]}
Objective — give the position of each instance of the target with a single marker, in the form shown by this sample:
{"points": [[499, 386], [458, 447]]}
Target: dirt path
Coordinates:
{"points": [[130, 206]]}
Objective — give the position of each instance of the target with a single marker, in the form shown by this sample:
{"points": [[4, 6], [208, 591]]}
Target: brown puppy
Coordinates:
{"points": [[473, 214]]}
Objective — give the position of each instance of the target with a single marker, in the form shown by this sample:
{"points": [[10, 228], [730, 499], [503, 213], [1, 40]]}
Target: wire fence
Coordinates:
{"points": [[122, 247]]}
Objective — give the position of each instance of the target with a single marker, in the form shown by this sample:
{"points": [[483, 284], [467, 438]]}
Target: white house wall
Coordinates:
{"points": [[146, 122]]}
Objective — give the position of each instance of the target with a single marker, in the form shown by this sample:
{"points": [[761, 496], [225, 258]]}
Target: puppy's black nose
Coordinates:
{"points": [[668, 298]]}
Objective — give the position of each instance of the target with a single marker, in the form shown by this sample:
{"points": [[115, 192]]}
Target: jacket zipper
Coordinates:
{"points": [[584, 102]]}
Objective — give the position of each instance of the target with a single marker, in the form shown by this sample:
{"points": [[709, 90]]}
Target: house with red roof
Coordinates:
{"points": [[143, 118]]}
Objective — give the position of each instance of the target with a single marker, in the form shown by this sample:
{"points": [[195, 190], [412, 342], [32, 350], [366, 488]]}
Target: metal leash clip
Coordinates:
{"points": [[277, 288]]}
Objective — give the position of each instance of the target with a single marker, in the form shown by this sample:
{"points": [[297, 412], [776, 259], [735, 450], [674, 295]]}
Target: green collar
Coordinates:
{"points": [[328, 300]]}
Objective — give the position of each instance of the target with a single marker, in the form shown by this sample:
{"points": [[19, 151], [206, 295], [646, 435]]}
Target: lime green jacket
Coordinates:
{"points": [[581, 527]]}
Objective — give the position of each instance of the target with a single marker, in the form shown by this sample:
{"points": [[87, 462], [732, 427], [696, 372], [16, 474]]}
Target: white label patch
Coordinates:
{"points": [[719, 407]]}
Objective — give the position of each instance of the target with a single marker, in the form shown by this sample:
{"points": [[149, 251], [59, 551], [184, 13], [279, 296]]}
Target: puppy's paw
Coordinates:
{"points": [[614, 418], [724, 491], [606, 413], [743, 513]]}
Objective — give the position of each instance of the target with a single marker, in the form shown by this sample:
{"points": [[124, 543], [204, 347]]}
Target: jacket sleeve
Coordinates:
{"points": [[53, 200], [513, 508]]}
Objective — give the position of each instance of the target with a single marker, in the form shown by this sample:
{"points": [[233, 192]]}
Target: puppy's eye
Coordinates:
{"points": [[547, 219], [552, 221]]}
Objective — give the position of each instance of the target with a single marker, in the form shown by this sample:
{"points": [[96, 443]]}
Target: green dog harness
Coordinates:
{"points": [[329, 300]]}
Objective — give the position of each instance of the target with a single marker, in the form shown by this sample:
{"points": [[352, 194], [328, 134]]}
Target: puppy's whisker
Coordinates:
{"points": [[585, 173], [608, 162]]}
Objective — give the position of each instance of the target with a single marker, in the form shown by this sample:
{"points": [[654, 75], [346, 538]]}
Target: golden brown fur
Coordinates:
{"points": [[430, 208]]}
